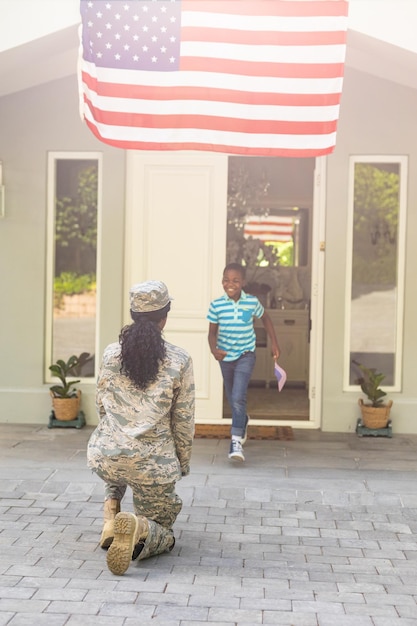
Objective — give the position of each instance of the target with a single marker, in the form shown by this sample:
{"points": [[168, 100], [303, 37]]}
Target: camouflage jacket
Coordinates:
{"points": [[155, 426]]}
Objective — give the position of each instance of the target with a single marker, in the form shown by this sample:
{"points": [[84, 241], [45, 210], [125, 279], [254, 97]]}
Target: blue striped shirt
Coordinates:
{"points": [[236, 334]]}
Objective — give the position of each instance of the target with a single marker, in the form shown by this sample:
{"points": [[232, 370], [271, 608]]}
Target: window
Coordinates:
{"points": [[376, 256], [73, 209]]}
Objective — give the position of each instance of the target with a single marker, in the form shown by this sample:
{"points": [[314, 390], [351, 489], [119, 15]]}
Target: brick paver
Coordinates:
{"points": [[319, 531]]}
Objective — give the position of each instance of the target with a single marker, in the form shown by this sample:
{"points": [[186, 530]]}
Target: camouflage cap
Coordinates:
{"points": [[151, 295]]}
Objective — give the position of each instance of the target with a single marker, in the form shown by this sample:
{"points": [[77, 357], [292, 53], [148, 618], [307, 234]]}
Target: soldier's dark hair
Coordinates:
{"points": [[237, 268], [143, 347]]}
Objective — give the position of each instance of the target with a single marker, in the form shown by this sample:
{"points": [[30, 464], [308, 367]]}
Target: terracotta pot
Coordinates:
{"points": [[375, 416]]}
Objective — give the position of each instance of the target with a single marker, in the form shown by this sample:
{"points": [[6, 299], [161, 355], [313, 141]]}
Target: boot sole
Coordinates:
{"points": [[120, 552]]}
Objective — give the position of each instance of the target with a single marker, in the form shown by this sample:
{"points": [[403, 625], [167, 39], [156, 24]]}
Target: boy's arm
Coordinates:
{"points": [[269, 327], [212, 339]]}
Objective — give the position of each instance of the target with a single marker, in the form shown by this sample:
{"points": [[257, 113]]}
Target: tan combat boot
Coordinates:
{"points": [[111, 509], [129, 530]]}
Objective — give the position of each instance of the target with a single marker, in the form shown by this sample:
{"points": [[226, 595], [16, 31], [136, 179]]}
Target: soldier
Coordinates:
{"points": [[145, 403]]}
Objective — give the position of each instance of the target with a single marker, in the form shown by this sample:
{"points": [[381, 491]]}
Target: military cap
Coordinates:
{"points": [[151, 295]]}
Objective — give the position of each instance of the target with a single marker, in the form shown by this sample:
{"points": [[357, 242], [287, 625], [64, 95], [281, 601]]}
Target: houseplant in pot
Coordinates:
{"points": [[65, 396], [375, 414]]}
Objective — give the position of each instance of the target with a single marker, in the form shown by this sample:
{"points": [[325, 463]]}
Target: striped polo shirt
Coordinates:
{"points": [[236, 334]]}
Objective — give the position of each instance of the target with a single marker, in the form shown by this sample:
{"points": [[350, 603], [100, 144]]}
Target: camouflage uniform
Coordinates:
{"points": [[143, 439]]}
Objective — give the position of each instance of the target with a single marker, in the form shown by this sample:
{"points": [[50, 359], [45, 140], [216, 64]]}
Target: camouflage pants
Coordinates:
{"points": [[159, 503]]}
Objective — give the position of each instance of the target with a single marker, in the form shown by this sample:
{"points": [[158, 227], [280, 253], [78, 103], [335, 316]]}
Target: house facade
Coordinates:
{"points": [[164, 216]]}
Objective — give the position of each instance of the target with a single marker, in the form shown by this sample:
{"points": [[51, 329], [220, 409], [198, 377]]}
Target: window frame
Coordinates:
{"points": [[52, 158], [402, 161]]}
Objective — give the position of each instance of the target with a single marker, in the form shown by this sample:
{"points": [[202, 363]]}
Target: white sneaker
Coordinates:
{"points": [[236, 451]]}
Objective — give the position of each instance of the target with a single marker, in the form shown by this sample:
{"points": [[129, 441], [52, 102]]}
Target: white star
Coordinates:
{"points": [[173, 18], [173, 39], [99, 35], [154, 39], [145, 48], [126, 46], [145, 29], [108, 5], [126, 7], [99, 14], [163, 49], [117, 36], [126, 27], [117, 16], [163, 10], [99, 55], [117, 57], [89, 24], [108, 26], [163, 29], [135, 37], [136, 18], [154, 18], [135, 57], [172, 59], [154, 59], [108, 46]]}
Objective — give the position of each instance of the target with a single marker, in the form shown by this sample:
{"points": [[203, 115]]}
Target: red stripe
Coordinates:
{"points": [[272, 38], [207, 122], [261, 68], [228, 149], [308, 8], [139, 92]]}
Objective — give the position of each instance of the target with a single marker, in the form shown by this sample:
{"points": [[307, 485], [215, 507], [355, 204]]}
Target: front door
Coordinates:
{"points": [[176, 217], [176, 232]]}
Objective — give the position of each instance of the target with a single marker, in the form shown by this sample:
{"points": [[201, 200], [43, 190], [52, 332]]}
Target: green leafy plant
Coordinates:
{"points": [[370, 383], [63, 370]]}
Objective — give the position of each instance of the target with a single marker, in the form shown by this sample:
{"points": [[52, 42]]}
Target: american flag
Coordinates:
{"points": [[251, 77], [269, 228]]}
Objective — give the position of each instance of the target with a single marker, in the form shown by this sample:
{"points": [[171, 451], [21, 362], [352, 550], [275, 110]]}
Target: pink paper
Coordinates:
{"points": [[281, 376]]}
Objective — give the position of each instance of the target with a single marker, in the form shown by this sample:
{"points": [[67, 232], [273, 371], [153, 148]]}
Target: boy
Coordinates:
{"points": [[232, 342]]}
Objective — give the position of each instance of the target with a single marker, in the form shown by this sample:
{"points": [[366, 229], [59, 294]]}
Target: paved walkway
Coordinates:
{"points": [[317, 531]]}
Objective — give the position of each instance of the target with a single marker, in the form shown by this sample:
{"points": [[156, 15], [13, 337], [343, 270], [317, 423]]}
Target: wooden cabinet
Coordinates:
{"points": [[292, 331]]}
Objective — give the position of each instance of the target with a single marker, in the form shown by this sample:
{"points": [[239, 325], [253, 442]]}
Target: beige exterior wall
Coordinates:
{"points": [[377, 117]]}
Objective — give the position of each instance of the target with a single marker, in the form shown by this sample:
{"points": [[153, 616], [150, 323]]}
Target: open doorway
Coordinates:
{"points": [[269, 229]]}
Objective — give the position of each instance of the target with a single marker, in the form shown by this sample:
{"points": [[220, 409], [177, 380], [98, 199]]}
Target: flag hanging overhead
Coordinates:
{"points": [[251, 77]]}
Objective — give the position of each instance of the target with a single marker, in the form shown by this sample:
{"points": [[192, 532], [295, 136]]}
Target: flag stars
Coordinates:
{"points": [[108, 5], [117, 57], [154, 59], [108, 26], [109, 46], [126, 47], [126, 27], [99, 35], [118, 16], [126, 7], [163, 29], [99, 14], [172, 59], [117, 36], [135, 57]]}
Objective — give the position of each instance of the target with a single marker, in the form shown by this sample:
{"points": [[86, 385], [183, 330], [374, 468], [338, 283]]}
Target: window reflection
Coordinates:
{"points": [[375, 308], [75, 260]]}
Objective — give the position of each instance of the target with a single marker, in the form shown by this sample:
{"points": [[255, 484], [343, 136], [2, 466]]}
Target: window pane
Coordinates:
{"points": [[75, 260], [375, 298]]}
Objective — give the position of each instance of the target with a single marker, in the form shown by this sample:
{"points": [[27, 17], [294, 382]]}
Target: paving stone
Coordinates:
{"points": [[303, 534]]}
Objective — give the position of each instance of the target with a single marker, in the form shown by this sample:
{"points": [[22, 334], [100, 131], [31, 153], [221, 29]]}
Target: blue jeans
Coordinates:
{"points": [[236, 377]]}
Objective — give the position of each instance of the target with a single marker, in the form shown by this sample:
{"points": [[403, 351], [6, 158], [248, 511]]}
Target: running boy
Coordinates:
{"points": [[232, 342]]}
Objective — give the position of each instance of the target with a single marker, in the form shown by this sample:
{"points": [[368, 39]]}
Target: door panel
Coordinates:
{"points": [[176, 232]]}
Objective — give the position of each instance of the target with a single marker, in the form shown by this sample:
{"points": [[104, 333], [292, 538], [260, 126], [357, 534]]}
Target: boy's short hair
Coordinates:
{"points": [[236, 267]]}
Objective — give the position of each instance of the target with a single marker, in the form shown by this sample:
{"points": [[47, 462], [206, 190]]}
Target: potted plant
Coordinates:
{"points": [[375, 414], [66, 397]]}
